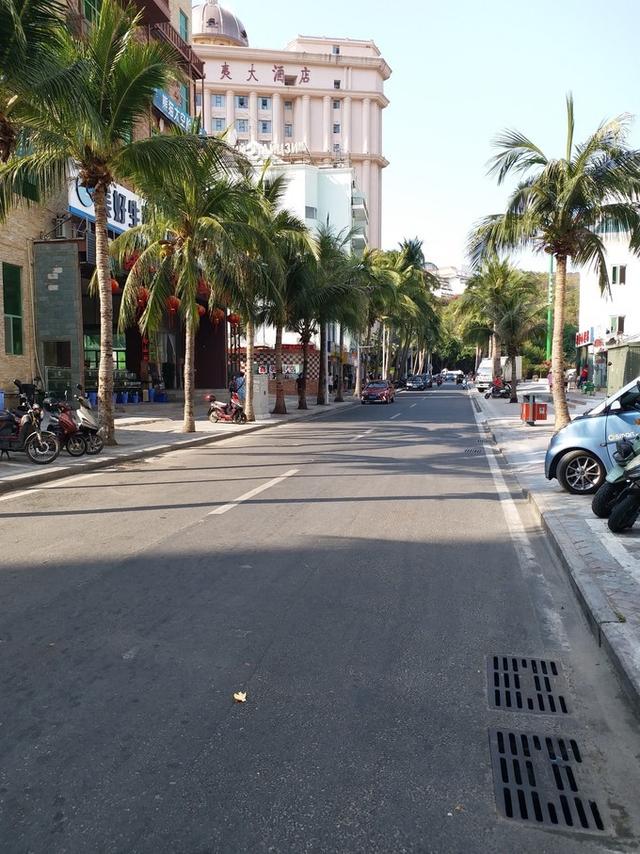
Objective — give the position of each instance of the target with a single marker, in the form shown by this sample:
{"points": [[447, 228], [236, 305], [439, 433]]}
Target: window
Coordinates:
{"points": [[57, 354], [336, 84], [218, 125], [337, 148], [242, 125], [184, 26], [336, 127], [310, 213], [288, 131], [336, 104], [198, 100], [265, 103], [242, 102], [288, 105], [335, 50], [265, 127], [184, 97], [12, 294], [217, 102], [290, 80], [91, 9], [616, 325], [619, 275]]}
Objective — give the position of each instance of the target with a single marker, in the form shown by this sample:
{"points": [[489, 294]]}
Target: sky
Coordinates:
{"points": [[463, 70]]}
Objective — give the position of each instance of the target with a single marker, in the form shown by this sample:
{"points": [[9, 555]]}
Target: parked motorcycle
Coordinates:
{"points": [[58, 418], [627, 508], [88, 423], [21, 432], [626, 453], [498, 391], [232, 411]]}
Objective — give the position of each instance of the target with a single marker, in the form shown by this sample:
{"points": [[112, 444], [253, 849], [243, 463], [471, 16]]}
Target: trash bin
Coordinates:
{"points": [[152, 395], [539, 411], [93, 398], [527, 409]]}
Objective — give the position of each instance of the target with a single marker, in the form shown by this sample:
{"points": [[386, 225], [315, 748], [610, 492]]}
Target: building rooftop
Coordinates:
{"points": [[213, 24]]}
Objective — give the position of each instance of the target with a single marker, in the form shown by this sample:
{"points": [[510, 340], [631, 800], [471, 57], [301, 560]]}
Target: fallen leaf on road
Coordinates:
{"points": [[240, 697]]}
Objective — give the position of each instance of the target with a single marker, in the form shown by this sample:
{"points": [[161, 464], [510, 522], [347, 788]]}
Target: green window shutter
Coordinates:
{"points": [[184, 97], [12, 297], [184, 26]]}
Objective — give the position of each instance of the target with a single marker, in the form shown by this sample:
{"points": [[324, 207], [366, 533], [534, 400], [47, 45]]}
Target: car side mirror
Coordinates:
{"points": [[616, 406]]}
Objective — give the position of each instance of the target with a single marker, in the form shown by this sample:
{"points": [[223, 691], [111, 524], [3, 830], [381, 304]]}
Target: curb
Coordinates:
{"points": [[99, 462], [602, 620]]}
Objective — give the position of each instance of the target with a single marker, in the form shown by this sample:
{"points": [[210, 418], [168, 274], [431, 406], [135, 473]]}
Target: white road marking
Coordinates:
{"points": [[615, 548], [519, 537], [412, 405], [11, 495], [397, 415], [276, 480], [361, 435]]}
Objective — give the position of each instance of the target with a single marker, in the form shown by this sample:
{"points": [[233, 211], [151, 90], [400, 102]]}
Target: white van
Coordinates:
{"points": [[484, 374]]}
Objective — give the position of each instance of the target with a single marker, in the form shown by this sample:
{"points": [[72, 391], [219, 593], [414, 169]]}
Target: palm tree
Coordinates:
{"points": [[302, 298], [30, 62], [564, 207], [91, 124], [190, 249], [521, 317]]}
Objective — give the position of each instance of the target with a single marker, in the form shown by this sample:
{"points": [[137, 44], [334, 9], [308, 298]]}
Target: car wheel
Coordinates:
{"points": [[580, 472]]}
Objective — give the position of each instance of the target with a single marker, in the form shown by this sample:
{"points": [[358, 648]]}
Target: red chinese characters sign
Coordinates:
{"points": [[584, 338], [278, 71]]}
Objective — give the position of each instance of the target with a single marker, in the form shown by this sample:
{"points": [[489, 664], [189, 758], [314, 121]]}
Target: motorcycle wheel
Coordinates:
{"points": [[240, 418], [95, 444], [605, 499], [624, 514], [43, 450], [487, 395], [76, 445], [213, 417]]}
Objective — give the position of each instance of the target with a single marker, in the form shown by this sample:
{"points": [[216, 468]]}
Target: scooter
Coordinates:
{"points": [[626, 453], [438, 381], [499, 391], [58, 418], [22, 433], [627, 508], [88, 423], [232, 411]]}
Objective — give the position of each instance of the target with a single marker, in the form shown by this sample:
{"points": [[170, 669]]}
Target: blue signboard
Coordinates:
{"points": [[169, 108]]}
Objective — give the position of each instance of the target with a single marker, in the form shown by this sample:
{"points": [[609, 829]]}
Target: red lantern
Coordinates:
{"points": [[203, 288], [143, 297], [202, 310], [234, 319], [216, 316], [173, 304], [130, 261], [115, 287]]}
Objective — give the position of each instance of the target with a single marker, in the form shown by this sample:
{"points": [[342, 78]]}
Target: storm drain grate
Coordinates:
{"points": [[537, 779], [473, 452], [532, 685], [476, 404]]}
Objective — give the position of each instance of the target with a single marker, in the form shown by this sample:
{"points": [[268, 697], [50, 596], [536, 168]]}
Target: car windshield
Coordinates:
{"points": [[625, 395], [377, 385]]}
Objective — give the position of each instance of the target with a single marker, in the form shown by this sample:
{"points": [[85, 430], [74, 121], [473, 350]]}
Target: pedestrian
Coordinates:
{"points": [[550, 379], [584, 376], [330, 383], [241, 389]]}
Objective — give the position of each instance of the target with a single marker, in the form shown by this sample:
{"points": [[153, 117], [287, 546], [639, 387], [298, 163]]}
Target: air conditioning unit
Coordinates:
{"points": [[61, 227]]}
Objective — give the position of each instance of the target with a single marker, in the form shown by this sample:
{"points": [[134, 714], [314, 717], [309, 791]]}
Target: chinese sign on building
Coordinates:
{"points": [[278, 73], [124, 208], [172, 111]]}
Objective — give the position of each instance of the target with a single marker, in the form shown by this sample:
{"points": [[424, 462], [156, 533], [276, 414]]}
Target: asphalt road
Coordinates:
{"points": [[354, 592]]}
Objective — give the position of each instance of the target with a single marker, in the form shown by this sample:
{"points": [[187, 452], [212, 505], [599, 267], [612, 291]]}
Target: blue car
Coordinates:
{"points": [[579, 455]]}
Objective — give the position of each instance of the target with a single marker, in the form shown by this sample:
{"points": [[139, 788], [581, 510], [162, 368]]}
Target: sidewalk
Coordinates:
{"points": [[604, 568], [145, 430]]}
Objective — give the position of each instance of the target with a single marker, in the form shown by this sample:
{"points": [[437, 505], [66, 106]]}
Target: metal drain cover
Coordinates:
{"points": [[532, 685], [473, 452], [539, 779]]}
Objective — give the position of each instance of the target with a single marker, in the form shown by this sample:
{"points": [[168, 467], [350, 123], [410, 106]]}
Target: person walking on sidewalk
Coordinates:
{"points": [[584, 376], [550, 380]]}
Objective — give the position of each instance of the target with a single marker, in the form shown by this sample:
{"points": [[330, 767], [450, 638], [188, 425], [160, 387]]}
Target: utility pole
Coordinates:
{"points": [[549, 306]]}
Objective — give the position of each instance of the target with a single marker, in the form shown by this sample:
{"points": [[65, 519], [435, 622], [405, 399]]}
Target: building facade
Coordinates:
{"points": [[47, 252], [318, 101], [607, 320]]}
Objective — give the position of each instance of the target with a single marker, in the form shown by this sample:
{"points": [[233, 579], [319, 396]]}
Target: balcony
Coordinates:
{"points": [[153, 11], [192, 62], [359, 207]]}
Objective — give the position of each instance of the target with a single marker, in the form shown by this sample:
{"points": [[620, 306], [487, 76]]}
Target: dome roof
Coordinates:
{"points": [[213, 24]]}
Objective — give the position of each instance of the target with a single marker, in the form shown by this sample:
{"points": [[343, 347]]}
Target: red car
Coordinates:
{"points": [[378, 391]]}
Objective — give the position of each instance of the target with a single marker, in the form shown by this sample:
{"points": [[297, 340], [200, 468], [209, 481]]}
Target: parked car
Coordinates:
{"points": [[415, 383], [427, 380], [378, 391], [581, 454]]}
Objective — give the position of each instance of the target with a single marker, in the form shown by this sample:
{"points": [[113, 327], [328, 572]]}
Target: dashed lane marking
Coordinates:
{"points": [[252, 492]]}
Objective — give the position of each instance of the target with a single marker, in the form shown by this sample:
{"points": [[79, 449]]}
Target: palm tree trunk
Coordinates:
{"points": [[302, 393], [357, 388], [496, 353], [281, 406], [189, 424], [322, 378], [514, 388], [557, 347], [339, 398], [103, 270], [248, 370]]}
